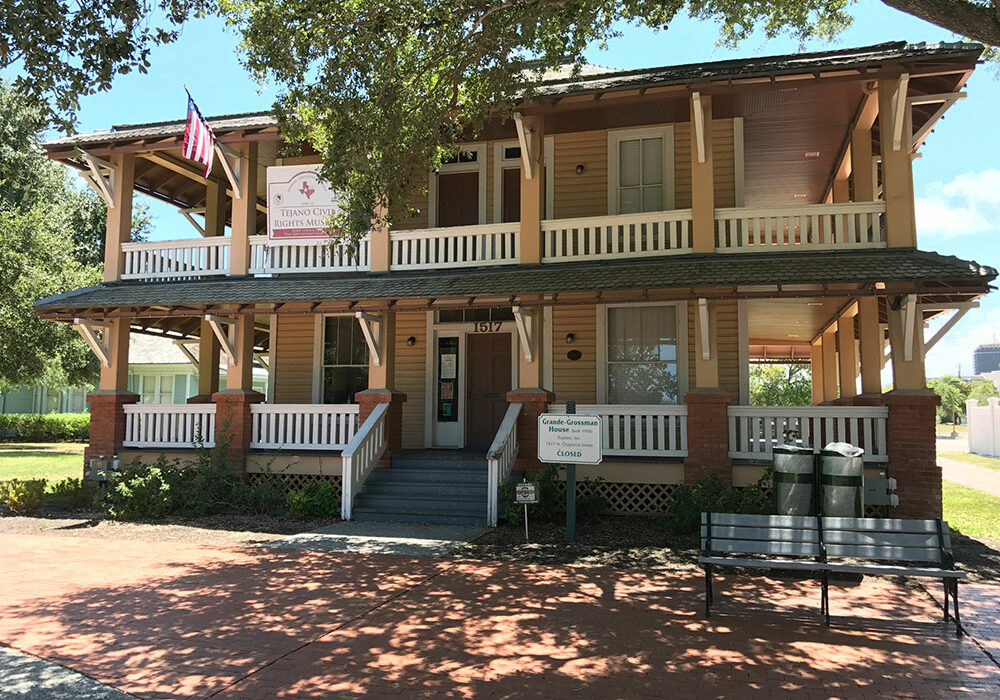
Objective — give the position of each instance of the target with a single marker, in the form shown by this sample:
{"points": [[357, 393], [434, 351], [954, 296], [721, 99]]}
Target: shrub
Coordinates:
{"points": [[74, 494], [45, 427], [551, 504], [22, 497], [318, 499], [140, 492], [710, 495]]}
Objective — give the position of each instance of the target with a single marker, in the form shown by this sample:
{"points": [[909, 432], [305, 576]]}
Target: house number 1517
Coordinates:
{"points": [[487, 326]]}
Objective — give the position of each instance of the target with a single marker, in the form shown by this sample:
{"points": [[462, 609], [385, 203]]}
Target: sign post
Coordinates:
{"points": [[526, 493], [570, 439]]}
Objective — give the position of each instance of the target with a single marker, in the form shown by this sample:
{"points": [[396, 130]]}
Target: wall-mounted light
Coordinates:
{"points": [[580, 169], [570, 337], [411, 341]]}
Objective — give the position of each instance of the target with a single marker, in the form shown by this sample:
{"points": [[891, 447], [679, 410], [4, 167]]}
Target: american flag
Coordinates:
{"points": [[199, 141]]}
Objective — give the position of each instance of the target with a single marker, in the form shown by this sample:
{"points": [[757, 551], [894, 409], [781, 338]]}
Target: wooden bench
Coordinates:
{"points": [[876, 546]]}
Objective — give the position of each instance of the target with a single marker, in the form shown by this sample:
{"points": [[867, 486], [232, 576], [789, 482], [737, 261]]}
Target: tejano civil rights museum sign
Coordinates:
{"points": [[299, 203]]}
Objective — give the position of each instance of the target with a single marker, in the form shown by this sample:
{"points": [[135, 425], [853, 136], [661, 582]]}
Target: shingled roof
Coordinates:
{"points": [[679, 272]]}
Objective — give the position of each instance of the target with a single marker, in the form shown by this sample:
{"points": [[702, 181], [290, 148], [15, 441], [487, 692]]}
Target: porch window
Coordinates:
{"points": [[640, 170], [642, 355], [345, 359]]}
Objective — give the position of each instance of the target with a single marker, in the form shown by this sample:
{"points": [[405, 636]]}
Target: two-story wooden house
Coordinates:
{"points": [[631, 241]]}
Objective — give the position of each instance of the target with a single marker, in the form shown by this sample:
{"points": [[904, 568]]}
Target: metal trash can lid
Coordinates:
{"points": [[792, 450], [842, 449]]}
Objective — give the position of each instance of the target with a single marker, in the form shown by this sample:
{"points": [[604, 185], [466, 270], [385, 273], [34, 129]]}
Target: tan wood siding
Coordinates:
{"points": [[411, 363], [574, 379], [682, 166], [585, 194], [293, 378], [417, 218], [490, 161], [728, 334]]}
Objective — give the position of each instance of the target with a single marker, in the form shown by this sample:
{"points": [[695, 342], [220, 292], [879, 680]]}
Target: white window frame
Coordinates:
{"points": [[616, 136], [500, 164], [681, 314], [478, 167], [319, 340]]}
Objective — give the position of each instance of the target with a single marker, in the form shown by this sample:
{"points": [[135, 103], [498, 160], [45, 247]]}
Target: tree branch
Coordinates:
{"points": [[964, 17]]}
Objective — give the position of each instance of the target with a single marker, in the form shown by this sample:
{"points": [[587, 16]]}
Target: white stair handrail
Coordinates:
{"points": [[500, 459], [360, 457]]}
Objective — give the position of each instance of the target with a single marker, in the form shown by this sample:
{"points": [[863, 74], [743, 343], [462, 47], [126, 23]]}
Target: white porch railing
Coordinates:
{"points": [[456, 246], [619, 236], [639, 431], [169, 425], [807, 227], [360, 457], [755, 430], [304, 426], [304, 256], [500, 460], [183, 259]]}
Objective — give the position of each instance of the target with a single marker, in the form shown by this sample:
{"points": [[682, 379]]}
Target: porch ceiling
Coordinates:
{"points": [[765, 275], [782, 322]]}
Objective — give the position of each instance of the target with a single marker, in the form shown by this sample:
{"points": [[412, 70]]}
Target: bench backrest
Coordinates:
{"points": [[885, 539]]}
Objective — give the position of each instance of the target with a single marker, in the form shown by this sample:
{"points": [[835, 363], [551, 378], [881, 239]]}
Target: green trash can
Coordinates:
{"points": [[794, 480], [842, 470]]}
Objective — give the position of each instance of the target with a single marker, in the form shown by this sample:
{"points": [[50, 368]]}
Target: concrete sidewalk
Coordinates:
{"points": [[170, 620], [971, 475]]}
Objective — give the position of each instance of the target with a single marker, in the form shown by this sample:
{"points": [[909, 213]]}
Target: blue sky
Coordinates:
{"points": [[957, 181]]}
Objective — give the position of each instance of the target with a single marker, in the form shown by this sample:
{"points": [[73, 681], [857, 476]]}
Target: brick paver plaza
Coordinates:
{"points": [[163, 620]]}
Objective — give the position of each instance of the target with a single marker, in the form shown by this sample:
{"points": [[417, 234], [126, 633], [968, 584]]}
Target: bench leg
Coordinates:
{"points": [[825, 598], [958, 620], [708, 590], [947, 599]]}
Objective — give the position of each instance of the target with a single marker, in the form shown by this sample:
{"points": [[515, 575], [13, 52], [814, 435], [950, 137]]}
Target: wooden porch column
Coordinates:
{"points": [[381, 244], [119, 228], [531, 393], [861, 165], [208, 344], [702, 176], [532, 190], [829, 364], [244, 218], [897, 168], [232, 413], [107, 413], [816, 370], [907, 374], [383, 375], [870, 344], [847, 354], [841, 191], [707, 404], [706, 359], [381, 385]]}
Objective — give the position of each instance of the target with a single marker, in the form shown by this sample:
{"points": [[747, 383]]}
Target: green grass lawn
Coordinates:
{"points": [[945, 429], [52, 461], [971, 512], [972, 459]]}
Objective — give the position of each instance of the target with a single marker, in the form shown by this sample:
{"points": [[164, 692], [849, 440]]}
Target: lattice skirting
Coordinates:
{"points": [[292, 482], [628, 499]]}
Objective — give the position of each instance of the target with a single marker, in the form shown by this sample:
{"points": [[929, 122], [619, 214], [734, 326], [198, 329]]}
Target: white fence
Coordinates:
{"points": [[320, 255], [639, 431], [183, 259], [811, 227], [360, 457], [456, 246], [500, 460], [755, 430], [984, 427], [302, 426], [621, 236], [169, 425]]}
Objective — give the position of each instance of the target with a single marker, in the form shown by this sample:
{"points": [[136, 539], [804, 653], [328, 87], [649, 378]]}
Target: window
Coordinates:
{"points": [[641, 170], [460, 157], [345, 359], [642, 355]]}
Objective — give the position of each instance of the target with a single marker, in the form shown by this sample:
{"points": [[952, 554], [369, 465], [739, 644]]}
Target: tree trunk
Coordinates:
{"points": [[976, 21]]}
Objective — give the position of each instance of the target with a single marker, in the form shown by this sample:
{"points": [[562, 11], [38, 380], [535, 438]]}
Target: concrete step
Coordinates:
{"points": [[460, 491], [437, 464], [403, 503], [451, 519], [430, 476]]}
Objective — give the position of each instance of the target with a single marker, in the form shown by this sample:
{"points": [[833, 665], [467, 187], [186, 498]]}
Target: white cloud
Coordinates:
{"points": [[967, 204]]}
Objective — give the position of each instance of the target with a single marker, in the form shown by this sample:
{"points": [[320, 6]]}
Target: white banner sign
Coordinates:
{"points": [[299, 203], [570, 439]]}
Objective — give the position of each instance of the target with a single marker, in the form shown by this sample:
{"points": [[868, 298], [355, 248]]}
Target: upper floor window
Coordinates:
{"points": [[640, 173], [345, 359]]}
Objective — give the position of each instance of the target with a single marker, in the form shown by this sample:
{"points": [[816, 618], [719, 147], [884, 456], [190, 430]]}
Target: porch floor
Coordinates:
{"points": [[169, 620]]}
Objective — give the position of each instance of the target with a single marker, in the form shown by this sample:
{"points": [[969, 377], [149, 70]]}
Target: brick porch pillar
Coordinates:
{"points": [[107, 423], [232, 422], [708, 436], [367, 401], [536, 402], [913, 454]]}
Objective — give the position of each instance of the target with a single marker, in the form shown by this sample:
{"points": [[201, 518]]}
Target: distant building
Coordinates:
{"points": [[986, 358]]}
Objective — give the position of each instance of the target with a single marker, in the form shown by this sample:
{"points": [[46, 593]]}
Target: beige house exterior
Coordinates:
{"points": [[630, 241]]}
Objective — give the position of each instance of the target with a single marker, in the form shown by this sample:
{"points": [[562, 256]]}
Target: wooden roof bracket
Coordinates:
{"points": [[187, 214], [525, 138], [182, 345], [524, 319], [899, 104], [961, 308], [699, 126], [909, 322], [225, 340], [98, 344], [946, 100], [706, 347], [259, 356], [231, 165], [101, 177], [371, 328]]}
